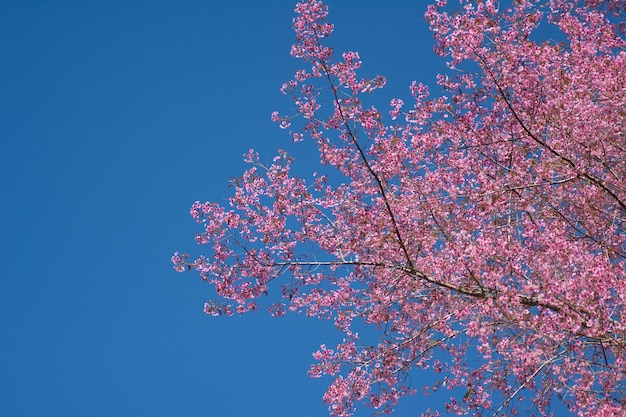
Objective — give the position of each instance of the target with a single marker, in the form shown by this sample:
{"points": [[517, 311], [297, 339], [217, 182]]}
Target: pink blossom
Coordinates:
{"points": [[488, 223]]}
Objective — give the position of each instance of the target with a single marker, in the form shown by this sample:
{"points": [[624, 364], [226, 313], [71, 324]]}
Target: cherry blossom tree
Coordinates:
{"points": [[480, 234]]}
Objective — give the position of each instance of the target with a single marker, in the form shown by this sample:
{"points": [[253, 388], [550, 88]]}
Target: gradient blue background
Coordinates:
{"points": [[114, 118]]}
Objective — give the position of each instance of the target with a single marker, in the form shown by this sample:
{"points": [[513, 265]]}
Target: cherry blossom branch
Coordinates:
{"points": [[368, 166], [523, 385], [477, 293]]}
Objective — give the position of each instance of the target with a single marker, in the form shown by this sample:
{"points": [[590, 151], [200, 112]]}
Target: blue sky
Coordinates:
{"points": [[115, 116]]}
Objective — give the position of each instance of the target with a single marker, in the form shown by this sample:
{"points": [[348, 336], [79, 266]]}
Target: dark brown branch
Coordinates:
{"points": [[369, 168]]}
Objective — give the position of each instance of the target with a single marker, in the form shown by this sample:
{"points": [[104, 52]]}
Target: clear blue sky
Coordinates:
{"points": [[115, 116]]}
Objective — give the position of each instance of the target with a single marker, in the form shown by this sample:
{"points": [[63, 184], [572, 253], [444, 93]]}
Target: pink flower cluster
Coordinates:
{"points": [[480, 234]]}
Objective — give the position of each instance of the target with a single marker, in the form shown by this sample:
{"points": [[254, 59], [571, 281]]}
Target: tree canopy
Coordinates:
{"points": [[486, 222]]}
